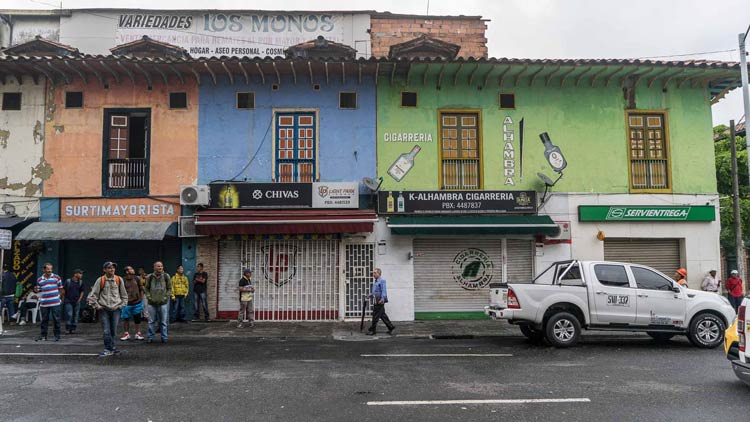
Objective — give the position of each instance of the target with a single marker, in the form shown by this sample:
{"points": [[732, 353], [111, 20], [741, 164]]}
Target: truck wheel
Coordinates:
{"points": [[531, 333], [563, 329], [706, 331], [660, 337]]}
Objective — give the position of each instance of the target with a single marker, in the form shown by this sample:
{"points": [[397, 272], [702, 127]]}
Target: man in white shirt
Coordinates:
{"points": [[711, 283]]}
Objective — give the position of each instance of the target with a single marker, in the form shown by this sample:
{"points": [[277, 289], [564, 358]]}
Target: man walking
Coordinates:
{"points": [[50, 289], [379, 295], [180, 290], [710, 282], [200, 292], [158, 291], [247, 293], [734, 289], [108, 296], [8, 294], [134, 308], [72, 304]]}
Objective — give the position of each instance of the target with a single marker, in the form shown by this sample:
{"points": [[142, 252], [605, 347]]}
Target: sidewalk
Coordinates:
{"points": [[339, 330]]}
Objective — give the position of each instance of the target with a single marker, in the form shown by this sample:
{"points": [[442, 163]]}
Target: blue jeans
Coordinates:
{"points": [[201, 301], [110, 320], [47, 313], [735, 302], [177, 310], [8, 301], [72, 311], [161, 312]]}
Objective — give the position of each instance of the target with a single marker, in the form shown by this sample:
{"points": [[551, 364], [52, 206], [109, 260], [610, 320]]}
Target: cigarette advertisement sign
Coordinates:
{"points": [[207, 34], [456, 202]]}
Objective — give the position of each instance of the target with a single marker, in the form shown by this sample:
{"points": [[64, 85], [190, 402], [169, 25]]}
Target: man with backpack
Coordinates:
{"points": [[72, 302], [108, 296], [158, 292]]}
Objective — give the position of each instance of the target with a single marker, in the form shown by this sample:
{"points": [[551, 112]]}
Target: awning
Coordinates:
{"points": [[98, 231], [482, 224], [10, 222], [240, 221]]}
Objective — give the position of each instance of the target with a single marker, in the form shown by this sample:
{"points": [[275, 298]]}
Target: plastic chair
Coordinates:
{"points": [[34, 311]]}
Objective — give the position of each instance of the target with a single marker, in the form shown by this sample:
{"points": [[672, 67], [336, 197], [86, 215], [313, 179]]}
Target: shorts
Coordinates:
{"points": [[132, 311]]}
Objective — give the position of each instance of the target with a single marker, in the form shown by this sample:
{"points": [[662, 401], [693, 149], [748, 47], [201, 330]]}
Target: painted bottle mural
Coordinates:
{"points": [[229, 197], [390, 203], [400, 203], [553, 154], [403, 164]]}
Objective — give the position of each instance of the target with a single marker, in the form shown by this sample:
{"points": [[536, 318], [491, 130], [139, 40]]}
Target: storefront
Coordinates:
{"points": [[461, 241], [128, 231], [307, 243]]}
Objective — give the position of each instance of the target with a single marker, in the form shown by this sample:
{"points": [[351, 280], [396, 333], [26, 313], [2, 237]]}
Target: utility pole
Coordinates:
{"points": [[745, 92], [739, 247]]}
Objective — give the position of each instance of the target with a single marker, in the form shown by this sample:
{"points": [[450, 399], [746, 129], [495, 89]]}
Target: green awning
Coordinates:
{"points": [[478, 224]]}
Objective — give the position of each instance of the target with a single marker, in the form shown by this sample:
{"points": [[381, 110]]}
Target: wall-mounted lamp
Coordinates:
{"points": [[600, 235], [410, 256]]}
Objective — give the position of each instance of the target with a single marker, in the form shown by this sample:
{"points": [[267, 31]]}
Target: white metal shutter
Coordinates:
{"points": [[520, 260], [436, 288], [661, 254], [230, 271]]}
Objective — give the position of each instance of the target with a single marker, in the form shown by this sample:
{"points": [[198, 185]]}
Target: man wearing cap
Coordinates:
{"points": [[72, 302], [710, 282], [108, 296], [247, 292], [680, 277], [734, 289]]}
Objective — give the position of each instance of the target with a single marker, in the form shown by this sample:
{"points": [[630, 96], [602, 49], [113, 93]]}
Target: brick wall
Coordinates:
{"points": [[469, 33], [208, 254]]}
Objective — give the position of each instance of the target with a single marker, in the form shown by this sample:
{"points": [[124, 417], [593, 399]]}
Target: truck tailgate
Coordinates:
{"points": [[499, 295]]}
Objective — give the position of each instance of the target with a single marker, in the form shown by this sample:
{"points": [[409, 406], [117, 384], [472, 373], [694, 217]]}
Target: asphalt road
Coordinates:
{"points": [[199, 379]]}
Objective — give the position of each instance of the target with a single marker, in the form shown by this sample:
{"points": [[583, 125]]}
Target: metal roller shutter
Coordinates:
{"points": [[661, 254], [442, 265], [230, 271], [520, 260]]}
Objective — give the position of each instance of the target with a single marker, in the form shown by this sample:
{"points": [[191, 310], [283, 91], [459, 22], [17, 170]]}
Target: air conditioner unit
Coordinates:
{"points": [[187, 227], [195, 195]]}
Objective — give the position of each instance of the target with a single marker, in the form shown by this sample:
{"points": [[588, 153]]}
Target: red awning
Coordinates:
{"points": [[240, 221]]}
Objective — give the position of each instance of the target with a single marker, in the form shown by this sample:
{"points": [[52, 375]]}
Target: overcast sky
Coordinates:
{"points": [[542, 28]]}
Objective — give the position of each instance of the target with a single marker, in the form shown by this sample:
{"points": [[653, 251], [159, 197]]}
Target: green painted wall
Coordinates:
{"points": [[588, 124]]}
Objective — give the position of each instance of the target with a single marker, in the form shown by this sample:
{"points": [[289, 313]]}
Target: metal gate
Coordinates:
{"points": [[359, 266], [295, 279], [661, 254]]}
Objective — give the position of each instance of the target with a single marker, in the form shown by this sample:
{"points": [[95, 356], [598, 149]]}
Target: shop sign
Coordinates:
{"points": [[23, 264], [234, 34], [119, 210], [472, 269], [646, 213], [285, 195], [456, 202]]}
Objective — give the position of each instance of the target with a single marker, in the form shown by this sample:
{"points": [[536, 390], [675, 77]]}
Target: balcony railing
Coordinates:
{"points": [[460, 174], [127, 174], [648, 174]]}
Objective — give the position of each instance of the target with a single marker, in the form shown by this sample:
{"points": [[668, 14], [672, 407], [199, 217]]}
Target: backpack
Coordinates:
{"points": [[103, 280]]}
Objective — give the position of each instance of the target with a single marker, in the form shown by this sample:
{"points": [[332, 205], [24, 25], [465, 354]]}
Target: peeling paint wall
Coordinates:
{"points": [[22, 165], [74, 136]]}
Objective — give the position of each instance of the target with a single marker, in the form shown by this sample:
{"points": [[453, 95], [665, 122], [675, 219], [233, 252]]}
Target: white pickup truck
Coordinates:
{"points": [[597, 295], [741, 362]]}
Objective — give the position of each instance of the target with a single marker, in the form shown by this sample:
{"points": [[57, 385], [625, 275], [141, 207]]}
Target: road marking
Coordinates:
{"points": [[48, 354], [440, 355], [500, 401]]}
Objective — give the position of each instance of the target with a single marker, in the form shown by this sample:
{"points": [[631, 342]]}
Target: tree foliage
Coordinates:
{"points": [[723, 156]]}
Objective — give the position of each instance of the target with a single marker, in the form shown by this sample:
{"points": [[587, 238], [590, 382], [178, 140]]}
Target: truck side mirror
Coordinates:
{"points": [[676, 289]]}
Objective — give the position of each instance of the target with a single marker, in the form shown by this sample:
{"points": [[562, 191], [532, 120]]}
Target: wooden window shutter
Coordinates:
{"points": [[119, 136]]}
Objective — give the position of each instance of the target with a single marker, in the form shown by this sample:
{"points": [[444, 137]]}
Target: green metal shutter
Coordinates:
{"points": [[437, 274], [661, 254]]}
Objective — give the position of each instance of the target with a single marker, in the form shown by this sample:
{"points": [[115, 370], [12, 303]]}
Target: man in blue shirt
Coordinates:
{"points": [[379, 295]]}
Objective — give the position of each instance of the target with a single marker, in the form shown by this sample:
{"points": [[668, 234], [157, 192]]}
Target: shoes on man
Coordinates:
{"points": [[14, 316], [57, 338], [163, 340], [371, 333], [115, 351], [390, 331], [105, 353], [125, 337], [138, 336], [245, 320], [22, 322], [239, 325], [41, 338]]}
